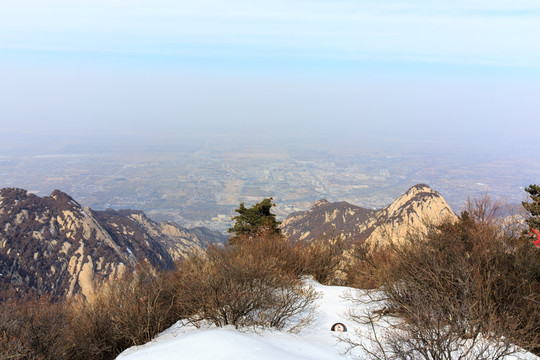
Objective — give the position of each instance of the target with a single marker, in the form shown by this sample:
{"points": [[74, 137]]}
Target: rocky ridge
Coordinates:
{"points": [[356, 224], [53, 245]]}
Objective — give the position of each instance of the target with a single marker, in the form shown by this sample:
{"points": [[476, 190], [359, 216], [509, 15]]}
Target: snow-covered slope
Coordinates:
{"points": [[314, 342]]}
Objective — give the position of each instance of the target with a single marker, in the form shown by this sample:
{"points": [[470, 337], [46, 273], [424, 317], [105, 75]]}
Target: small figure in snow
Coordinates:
{"points": [[339, 327]]}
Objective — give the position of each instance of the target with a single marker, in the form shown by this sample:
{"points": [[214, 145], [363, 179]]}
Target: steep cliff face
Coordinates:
{"points": [[53, 245], [352, 223]]}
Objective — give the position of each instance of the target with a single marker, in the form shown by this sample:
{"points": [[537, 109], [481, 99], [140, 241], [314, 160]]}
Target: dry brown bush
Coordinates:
{"points": [[466, 290], [31, 329], [251, 283], [323, 259], [130, 311], [368, 265], [11, 328]]}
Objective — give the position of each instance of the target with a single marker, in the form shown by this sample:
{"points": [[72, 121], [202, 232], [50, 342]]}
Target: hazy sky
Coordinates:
{"points": [[462, 70]]}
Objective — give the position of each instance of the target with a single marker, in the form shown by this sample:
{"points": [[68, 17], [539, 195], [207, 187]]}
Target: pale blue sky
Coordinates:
{"points": [[428, 69]]}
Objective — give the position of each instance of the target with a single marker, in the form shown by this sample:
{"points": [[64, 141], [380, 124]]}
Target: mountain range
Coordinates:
{"points": [[53, 245]]}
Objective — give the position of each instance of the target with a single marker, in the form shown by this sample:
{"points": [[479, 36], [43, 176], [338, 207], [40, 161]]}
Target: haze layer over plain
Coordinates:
{"points": [[460, 72]]}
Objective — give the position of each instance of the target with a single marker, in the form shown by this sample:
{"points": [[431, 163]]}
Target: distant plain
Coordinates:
{"points": [[199, 181]]}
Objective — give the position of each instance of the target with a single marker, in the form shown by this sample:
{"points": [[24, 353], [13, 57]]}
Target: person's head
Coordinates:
{"points": [[339, 327]]}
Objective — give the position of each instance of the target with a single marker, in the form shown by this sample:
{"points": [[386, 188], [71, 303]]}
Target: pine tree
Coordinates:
{"points": [[533, 207], [255, 219]]}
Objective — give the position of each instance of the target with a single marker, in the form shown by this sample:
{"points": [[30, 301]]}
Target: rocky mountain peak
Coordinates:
{"points": [[353, 223], [61, 198], [13, 192], [419, 199], [52, 245], [418, 189], [321, 202], [411, 212], [327, 219], [13, 195]]}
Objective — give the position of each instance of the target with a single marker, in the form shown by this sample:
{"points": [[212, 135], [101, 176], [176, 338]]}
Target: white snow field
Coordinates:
{"points": [[316, 341]]}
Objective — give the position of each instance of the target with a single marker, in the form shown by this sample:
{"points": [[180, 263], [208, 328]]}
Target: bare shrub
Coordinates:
{"points": [[246, 284], [12, 348], [465, 290], [368, 265], [12, 333], [130, 311], [323, 259], [31, 329]]}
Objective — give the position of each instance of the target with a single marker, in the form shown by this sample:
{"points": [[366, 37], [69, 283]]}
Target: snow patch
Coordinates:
{"points": [[314, 342]]}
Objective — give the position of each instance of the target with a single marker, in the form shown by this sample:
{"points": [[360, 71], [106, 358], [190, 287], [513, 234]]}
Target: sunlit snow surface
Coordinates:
{"points": [[314, 341]]}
